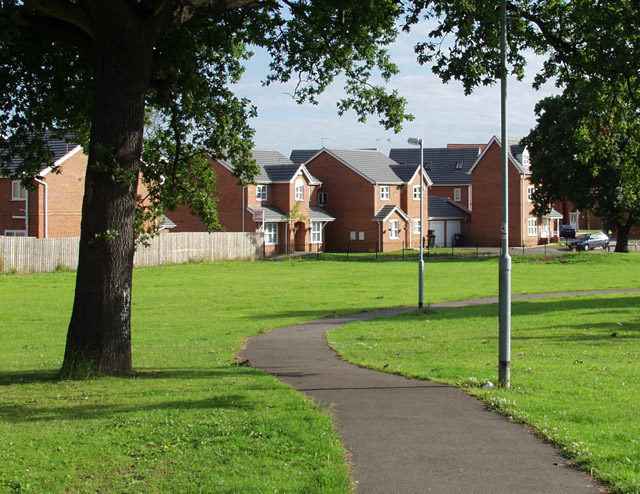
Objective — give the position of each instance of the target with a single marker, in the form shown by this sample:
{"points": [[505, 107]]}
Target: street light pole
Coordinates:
{"points": [[418, 142], [504, 364]]}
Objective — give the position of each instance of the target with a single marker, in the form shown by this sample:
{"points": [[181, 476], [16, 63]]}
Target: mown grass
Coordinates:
{"points": [[575, 370], [191, 420]]}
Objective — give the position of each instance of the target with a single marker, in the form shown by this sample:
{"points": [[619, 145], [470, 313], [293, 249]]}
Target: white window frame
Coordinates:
{"points": [[299, 190], [261, 193], [530, 190], [352, 235], [15, 233], [323, 199], [416, 192], [532, 227], [316, 232], [394, 229], [457, 195], [18, 192], [360, 235], [416, 226], [385, 193], [271, 233]]}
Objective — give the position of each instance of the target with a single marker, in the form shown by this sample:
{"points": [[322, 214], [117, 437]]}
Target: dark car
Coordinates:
{"points": [[567, 231], [587, 241]]}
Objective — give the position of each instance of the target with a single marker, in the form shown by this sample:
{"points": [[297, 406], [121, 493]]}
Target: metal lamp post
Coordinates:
{"points": [[418, 142], [504, 362]]}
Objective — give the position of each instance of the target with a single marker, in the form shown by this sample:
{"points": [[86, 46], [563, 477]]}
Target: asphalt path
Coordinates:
{"points": [[415, 436]]}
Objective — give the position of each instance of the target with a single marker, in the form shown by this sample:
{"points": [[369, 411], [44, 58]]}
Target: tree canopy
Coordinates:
{"points": [[586, 149]]}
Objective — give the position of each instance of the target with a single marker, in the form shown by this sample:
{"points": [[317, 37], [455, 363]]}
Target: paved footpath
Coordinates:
{"points": [[414, 436]]}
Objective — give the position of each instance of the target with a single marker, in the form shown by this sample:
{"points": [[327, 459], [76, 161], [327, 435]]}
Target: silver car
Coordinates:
{"points": [[587, 241]]}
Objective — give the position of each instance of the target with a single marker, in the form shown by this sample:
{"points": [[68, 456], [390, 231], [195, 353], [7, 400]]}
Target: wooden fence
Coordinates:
{"points": [[32, 255]]}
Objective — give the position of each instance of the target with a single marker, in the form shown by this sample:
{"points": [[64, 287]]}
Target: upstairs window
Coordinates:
{"points": [[299, 192], [530, 190], [18, 192], [384, 192], [261, 192], [416, 192], [322, 199], [457, 195], [459, 165]]}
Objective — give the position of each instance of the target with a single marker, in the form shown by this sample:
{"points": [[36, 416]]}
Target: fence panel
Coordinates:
{"points": [[33, 255]]}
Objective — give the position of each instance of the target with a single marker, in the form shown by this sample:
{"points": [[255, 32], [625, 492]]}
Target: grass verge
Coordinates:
{"points": [[191, 420], [575, 371]]}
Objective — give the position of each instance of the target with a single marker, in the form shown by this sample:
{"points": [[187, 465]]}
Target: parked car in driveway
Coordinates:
{"points": [[587, 241], [567, 231]]}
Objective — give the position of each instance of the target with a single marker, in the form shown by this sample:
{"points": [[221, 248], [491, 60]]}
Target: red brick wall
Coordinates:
{"points": [[447, 192], [487, 203], [352, 200]]}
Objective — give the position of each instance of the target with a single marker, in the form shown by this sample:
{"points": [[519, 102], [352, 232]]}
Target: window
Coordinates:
{"points": [[530, 190], [457, 195], [532, 227], [427, 165], [384, 192], [416, 227], [360, 235], [299, 190], [526, 160], [352, 235], [261, 192], [271, 233], [18, 192], [322, 199], [15, 233], [459, 165], [416, 192], [394, 230], [316, 232]]}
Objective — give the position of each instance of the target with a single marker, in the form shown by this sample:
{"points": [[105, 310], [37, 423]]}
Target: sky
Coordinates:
{"points": [[443, 114]]}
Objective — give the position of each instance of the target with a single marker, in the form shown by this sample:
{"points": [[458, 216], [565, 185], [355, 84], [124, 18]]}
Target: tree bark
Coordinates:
{"points": [[622, 236], [99, 336]]}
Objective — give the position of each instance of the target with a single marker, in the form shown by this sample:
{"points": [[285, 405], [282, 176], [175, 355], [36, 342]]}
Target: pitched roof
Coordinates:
{"points": [[61, 150], [445, 166], [368, 163], [386, 211], [271, 213], [318, 214], [441, 209], [300, 156], [516, 154], [274, 167]]}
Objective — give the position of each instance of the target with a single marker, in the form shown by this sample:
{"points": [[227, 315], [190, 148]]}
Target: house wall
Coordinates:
{"points": [[412, 208], [487, 203], [352, 200], [447, 192], [65, 192]]}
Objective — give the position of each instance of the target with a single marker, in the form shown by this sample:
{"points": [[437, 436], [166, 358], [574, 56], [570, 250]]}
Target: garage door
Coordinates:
{"points": [[438, 229], [453, 227]]}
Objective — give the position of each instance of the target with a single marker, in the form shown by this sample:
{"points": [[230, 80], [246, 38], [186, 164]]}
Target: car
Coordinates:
{"points": [[567, 231], [587, 241]]}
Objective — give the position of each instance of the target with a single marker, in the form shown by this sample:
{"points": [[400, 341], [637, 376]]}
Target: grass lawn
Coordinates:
{"points": [[575, 369], [191, 420]]}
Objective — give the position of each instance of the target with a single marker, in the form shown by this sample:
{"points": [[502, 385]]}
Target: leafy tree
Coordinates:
{"points": [[102, 70], [585, 148]]}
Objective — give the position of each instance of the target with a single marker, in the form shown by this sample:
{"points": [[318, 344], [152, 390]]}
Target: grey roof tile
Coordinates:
{"points": [[59, 147], [445, 166], [385, 211], [318, 214], [440, 209], [515, 153], [271, 213]]}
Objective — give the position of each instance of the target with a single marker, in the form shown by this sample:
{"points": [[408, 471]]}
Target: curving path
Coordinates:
{"points": [[414, 436]]}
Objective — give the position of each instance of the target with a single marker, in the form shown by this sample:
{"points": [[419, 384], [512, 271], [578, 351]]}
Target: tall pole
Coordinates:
{"points": [[418, 141], [421, 262], [504, 366]]}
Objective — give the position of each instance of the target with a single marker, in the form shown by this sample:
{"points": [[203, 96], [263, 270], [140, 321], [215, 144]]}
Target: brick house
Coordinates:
{"points": [[525, 229], [448, 221], [374, 199], [283, 203], [54, 207]]}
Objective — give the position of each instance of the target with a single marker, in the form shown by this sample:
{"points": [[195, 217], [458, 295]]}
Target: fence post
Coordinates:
{"points": [[403, 250]]}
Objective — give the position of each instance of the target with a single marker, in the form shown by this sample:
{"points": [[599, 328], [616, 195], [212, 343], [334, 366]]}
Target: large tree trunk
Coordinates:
{"points": [[622, 236], [99, 336]]}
